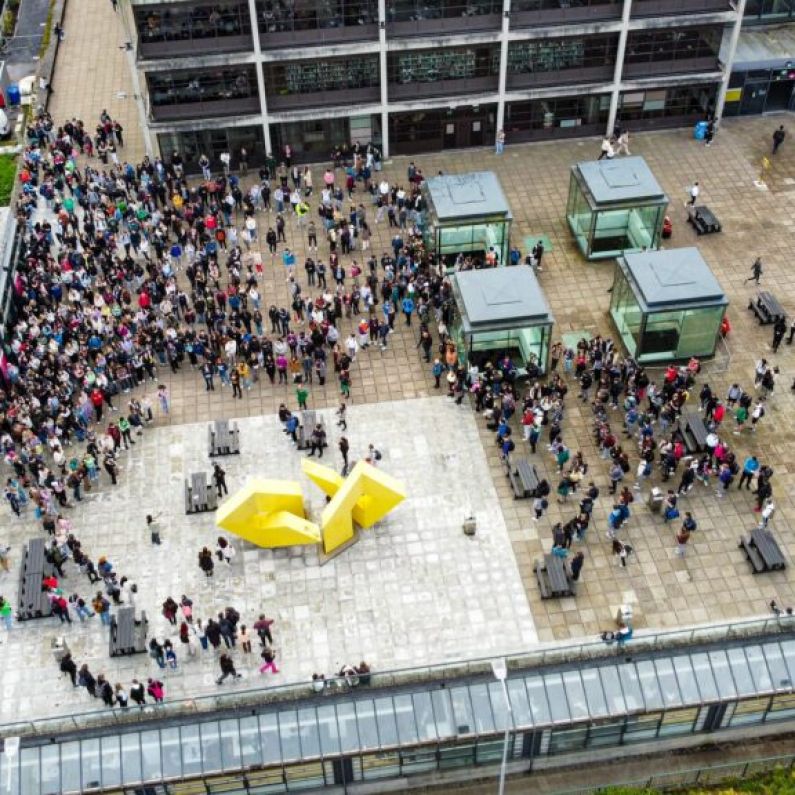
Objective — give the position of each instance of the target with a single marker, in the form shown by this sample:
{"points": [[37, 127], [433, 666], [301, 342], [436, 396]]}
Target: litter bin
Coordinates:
{"points": [[656, 500], [700, 130], [13, 95], [59, 648]]}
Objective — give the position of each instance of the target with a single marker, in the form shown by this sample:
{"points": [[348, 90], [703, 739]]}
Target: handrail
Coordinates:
{"points": [[546, 654]]}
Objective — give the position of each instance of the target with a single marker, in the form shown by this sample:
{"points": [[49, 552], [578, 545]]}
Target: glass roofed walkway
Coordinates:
{"points": [[562, 700]]}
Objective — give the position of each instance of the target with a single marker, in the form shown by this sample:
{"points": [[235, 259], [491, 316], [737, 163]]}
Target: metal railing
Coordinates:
{"points": [[709, 774], [544, 655]]}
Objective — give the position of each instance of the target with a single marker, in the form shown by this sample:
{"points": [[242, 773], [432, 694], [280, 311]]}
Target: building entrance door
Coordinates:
{"points": [[779, 95]]}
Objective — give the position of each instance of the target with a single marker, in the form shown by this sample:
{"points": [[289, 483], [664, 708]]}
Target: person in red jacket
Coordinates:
{"points": [[97, 399]]}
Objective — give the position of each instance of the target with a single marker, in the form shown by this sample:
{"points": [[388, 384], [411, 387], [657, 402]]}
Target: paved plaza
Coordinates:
{"points": [[438, 608], [413, 591]]}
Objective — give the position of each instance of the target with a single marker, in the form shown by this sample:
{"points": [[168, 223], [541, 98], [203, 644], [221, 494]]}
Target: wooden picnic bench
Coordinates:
{"points": [[694, 432], [33, 601], [762, 551], [703, 220], [766, 308], [523, 478], [127, 636], [305, 428], [199, 496], [554, 577], [224, 439]]}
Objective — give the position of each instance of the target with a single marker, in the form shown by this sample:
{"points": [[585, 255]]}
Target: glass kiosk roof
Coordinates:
{"points": [[620, 181], [456, 197]]}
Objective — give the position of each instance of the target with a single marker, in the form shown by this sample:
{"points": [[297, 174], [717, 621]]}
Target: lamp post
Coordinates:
{"points": [[500, 670]]}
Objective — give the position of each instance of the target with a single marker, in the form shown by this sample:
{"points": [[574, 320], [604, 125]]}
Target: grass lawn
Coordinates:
{"points": [[8, 172]]}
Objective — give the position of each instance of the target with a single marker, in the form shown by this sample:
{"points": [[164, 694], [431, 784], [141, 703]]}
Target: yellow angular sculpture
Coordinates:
{"points": [[268, 513], [364, 497]]}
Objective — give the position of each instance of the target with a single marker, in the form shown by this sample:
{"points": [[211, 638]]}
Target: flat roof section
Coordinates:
{"points": [[623, 179], [509, 296], [765, 48], [467, 196], [676, 277]]}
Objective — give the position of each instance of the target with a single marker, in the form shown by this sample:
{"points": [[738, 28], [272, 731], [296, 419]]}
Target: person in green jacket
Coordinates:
{"points": [[301, 393], [124, 427], [5, 613]]}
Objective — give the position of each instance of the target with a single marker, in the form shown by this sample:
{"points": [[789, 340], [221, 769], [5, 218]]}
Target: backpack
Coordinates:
{"points": [[511, 446]]}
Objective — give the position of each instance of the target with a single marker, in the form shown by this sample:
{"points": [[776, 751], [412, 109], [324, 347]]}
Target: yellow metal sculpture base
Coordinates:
{"points": [[270, 513]]}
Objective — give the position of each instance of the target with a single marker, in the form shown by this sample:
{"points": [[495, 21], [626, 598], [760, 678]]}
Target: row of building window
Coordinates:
{"points": [[426, 66], [230, 18]]}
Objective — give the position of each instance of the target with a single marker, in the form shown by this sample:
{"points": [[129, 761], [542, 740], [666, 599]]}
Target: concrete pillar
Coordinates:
{"points": [[727, 66], [617, 74], [382, 63], [263, 101], [506, 23]]}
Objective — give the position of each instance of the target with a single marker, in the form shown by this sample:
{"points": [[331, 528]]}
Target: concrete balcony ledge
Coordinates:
{"points": [[441, 88], [348, 97], [197, 110], [588, 74]]}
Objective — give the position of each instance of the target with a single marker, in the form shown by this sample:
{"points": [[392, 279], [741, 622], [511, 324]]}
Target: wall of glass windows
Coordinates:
{"points": [[433, 130], [376, 734], [667, 107], [276, 16], [418, 17], [556, 117], [768, 10], [538, 62], [449, 70], [307, 83], [207, 92], [760, 91], [664, 50], [312, 141], [177, 28], [536, 12], [192, 144]]}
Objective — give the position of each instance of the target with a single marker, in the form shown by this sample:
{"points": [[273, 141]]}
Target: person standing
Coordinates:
{"points": [[756, 271], [778, 138], [694, 191], [779, 330], [206, 563], [137, 693], [219, 476], [154, 528], [750, 468], [155, 690], [766, 513], [344, 446], [683, 536], [499, 143], [576, 565], [122, 698], [86, 679]]}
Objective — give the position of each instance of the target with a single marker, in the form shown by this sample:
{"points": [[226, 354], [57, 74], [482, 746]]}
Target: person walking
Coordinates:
{"points": [[778, 138], [779, 330], [122, 699], [682, 537], [227, 669], [621, 551], [695, 189], [269, 664], [69, 666], [206, 563], [86, 679], [155, 689], [756, 271], [766, 513], [344, 447], [576, 565]]}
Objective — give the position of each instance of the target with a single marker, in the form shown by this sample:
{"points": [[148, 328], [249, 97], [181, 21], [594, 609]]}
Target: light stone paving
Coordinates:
{"points": [[413, 591]]}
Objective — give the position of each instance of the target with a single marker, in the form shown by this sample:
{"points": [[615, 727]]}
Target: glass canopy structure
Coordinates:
{"points": [[667, 305], [499, 312], [615, 206], [372, 734], [466, 214]]}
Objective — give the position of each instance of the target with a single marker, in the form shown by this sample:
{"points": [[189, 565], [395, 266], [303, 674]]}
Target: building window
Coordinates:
{"points": [[770, 9], [672, 45], [554, 55], [545, 5], [689, 101], [274, 16], [179, 23], [542, 114], [212, 86], [417, 10], [304, 77], [431, 66]]}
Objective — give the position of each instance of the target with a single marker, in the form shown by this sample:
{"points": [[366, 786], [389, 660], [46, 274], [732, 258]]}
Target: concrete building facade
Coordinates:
{"points": [[413, 76]]}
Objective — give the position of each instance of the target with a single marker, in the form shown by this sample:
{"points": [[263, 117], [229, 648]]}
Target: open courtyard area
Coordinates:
{"points": [[150, 304]]}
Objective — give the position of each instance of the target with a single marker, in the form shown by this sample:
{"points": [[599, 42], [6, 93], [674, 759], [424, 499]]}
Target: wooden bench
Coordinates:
{"points": [[762, 551], [198, 496], [766, 308], [554, 578], [523, 478], [127, 636], [703, 220], [224, 440], [694, 432], [33, 601], [305, 428]]}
